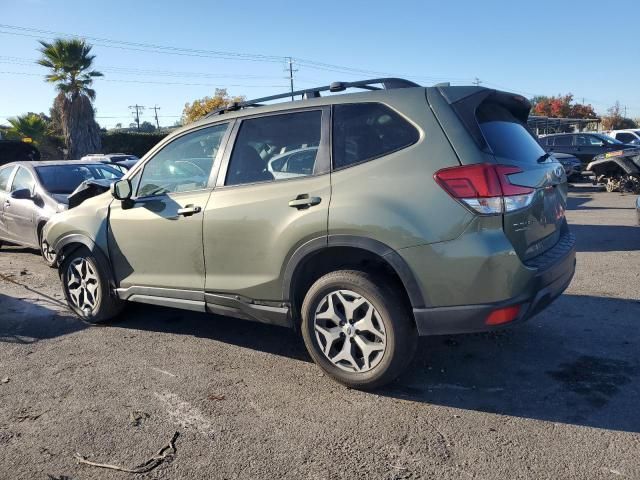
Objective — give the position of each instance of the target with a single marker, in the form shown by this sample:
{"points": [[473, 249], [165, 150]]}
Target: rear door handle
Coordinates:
{"points": [[189, 210], [304, 201]]}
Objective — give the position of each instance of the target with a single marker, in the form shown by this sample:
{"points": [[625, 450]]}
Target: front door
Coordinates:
{"points": [[272, 195], [5, 176], [19, 214], [155, 239]]}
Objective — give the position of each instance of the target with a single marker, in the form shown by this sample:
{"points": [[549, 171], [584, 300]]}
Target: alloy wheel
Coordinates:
{"points": [[83, 285], [349, 331]]}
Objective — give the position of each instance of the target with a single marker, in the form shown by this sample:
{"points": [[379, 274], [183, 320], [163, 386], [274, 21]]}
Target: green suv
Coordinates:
{"points": [[364, 220]]}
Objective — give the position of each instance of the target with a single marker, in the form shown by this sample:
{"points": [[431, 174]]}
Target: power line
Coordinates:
{"points": [[159, 83]]}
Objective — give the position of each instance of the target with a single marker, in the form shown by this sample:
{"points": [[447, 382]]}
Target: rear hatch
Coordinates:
{"points": [[497, 122]]}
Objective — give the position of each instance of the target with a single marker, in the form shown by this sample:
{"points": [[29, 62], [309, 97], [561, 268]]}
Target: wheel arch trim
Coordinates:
{"points": [[386, 253], [81, 240]]}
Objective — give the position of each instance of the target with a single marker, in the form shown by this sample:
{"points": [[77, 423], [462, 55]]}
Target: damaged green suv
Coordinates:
{"points": [[364, 220]]}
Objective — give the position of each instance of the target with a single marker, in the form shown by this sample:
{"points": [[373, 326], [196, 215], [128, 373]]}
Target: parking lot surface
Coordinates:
{"points": [[557, 397]]}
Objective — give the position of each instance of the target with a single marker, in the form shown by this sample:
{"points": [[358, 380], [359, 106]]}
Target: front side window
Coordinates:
{"points": [[275, 147], [22, 180], [5, 173], [364, 131], [183, 165]]}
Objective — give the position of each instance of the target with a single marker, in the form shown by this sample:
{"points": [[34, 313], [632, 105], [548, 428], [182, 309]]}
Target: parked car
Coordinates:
{"points": [[585, 146], [628, 136], [16, 151], [32, 192], [426, 211], [571, 164], [638, 209], [119, 161]]}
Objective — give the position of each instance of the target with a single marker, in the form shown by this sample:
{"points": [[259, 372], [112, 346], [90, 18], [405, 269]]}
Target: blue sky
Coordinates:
{"points": [[583, 47]]}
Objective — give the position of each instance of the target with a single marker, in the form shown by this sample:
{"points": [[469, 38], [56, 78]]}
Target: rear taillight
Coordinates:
{"points": [[485, 188]]}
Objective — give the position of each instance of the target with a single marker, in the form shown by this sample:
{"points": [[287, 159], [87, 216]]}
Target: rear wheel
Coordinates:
{"points": [[357, 329], [86, 288]]}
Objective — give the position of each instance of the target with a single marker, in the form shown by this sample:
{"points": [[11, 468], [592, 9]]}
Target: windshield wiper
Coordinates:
{"points": [[542, 158]]}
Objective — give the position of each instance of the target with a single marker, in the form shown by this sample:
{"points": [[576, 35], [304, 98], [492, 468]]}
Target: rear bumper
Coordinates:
{"points": [[547, 284]]}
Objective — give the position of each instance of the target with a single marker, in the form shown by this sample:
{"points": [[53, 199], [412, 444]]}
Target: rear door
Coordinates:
{"points": [[261, 211], [537, 227]]}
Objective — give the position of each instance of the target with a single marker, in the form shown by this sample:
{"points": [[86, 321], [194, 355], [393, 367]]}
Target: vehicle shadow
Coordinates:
{"points": [[23, 321], [574, 363], [606, 238], [580, 200]]}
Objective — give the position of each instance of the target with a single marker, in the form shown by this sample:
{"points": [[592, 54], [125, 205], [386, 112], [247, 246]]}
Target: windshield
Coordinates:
{"points": [[607, 139], [506, 135], [64, 179]]}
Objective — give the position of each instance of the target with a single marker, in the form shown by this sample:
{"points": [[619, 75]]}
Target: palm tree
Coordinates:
{"points": [[30, 125], [70, 63]]}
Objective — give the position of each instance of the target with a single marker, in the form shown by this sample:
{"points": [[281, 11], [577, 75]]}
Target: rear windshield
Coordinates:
{"points": [[65, 179], [506, 135]]}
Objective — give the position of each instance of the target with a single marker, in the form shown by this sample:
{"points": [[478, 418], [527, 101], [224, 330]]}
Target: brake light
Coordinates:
{"points": [[485, 188]]}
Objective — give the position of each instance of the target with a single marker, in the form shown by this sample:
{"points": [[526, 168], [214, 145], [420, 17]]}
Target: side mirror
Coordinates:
{"points": [[22, 194], [121, 190]]}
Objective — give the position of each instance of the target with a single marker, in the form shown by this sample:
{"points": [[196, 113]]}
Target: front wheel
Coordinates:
{"points": [[86, 288], [357, 329], [48, 255]]}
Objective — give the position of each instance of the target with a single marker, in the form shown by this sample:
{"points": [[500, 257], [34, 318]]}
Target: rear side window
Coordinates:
{"points": [[364, 131], [506, 135], [5, 173], [565, 141]]}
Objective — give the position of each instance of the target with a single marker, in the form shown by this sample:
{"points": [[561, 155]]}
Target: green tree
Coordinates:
{"points": [[199, 108], [70, 62], [30, 125], [147, 127]]}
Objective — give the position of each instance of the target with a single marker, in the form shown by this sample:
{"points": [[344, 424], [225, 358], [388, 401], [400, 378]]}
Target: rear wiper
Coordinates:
{"points": [[543, 157]]}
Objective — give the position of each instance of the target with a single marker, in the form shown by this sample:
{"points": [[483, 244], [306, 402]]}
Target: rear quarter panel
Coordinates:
{"points": [[394, 199]]}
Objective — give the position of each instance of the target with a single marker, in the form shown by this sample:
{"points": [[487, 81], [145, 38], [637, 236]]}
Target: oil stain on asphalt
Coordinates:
{"points": [[596, 379]]}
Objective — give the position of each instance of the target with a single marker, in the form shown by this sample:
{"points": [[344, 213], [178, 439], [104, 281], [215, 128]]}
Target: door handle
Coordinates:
{"points": [[189, 210], [304, 201], [7, 203]]}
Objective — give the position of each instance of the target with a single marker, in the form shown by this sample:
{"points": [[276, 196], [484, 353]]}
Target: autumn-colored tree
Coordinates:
{"points": [[615, 120], [199, 108], [561, 106]]}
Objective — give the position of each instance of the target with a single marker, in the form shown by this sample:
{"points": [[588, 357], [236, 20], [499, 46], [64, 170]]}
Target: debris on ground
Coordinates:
{"points": [[137, 417], [5, 380], [166, 452], [216, 398]]}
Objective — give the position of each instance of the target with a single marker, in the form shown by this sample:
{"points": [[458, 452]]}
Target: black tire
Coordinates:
{"points": [[392, 312], [48, 257], [106, 305]]}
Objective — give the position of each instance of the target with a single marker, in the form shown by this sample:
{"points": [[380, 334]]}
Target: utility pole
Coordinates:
{"points": [[291, 70], [155, 110], [138, 109], [477, 82]]}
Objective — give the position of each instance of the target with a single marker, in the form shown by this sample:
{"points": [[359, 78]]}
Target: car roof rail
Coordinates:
{"points": [[389, 83]]}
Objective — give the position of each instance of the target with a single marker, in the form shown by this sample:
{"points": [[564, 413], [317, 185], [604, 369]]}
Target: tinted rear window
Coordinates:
{"points": [[506, 135], [363, 131]]}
